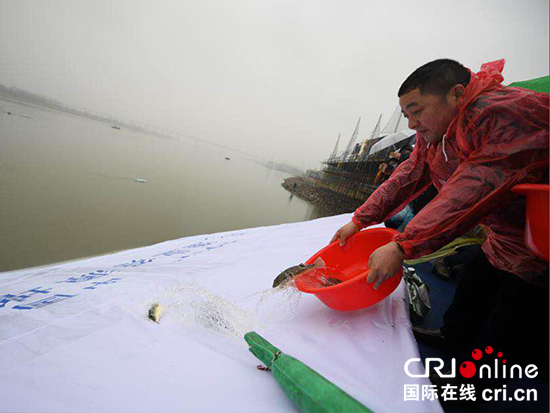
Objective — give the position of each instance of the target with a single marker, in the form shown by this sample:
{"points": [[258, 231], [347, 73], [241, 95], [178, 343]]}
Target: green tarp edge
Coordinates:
{"points": [[539, 84], [308, 390]]}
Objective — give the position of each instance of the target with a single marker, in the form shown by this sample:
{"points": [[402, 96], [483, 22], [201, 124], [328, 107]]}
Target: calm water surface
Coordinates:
{"points": [[68, 189]]}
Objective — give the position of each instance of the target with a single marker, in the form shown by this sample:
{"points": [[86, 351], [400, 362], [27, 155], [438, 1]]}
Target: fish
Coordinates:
{"points": [[330, 281], [300, 269], [155, 312]]}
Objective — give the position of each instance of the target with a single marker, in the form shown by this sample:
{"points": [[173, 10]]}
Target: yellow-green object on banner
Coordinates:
{"points": [[308, 390]]}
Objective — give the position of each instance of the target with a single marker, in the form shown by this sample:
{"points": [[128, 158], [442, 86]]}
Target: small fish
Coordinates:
{"points": [[292, 272], [155, 312], [331, 281]]}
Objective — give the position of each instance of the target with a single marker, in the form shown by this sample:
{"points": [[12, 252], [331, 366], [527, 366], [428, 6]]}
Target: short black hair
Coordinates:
{"points": [[437, 77]]}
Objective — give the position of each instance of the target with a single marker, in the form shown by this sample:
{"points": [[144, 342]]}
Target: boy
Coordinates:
{"points": [[476, 139]]}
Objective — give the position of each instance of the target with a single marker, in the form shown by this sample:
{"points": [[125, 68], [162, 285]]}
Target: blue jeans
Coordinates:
{"points": [[400, 220]]}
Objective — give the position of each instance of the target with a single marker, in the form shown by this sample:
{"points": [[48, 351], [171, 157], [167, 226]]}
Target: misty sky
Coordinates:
{"points": [[275, 78]]}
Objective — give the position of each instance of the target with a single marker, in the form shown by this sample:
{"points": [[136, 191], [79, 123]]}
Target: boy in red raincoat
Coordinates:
{"points": [[476, 140]]}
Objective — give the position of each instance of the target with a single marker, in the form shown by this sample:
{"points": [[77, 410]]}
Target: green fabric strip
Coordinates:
{"points": [[307, 389]]}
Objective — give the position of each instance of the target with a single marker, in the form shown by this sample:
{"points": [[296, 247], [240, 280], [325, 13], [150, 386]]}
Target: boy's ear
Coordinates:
{"points": [[457, 91]]}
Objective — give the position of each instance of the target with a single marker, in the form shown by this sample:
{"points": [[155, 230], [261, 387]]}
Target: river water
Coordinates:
{"points": [[68, 189]]}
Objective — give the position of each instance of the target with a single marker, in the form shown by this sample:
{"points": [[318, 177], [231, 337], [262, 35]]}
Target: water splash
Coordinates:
{"points": [[198, 308], [195, 307], [278, 304]]}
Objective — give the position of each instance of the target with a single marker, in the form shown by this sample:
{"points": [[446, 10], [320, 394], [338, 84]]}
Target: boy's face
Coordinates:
{"points": [[430, 114]]}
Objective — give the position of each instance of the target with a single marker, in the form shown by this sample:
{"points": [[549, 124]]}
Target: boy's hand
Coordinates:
{"points": [[384, 263], [345, 232]]}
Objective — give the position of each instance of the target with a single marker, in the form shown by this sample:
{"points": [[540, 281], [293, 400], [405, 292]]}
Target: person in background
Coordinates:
{"points": [[356, 150], [405, 152], [476, 140], [386, 169]]}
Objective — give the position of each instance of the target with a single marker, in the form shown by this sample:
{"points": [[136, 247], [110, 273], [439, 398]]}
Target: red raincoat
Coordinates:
{"points": [[498, 139]]}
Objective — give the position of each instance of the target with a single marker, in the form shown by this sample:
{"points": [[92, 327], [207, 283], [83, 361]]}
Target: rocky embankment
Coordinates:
{"points": [[330, 201]]}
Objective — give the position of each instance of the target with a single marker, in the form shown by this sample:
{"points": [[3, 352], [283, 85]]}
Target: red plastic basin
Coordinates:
{"points": [[536, 222], [349, 264]]}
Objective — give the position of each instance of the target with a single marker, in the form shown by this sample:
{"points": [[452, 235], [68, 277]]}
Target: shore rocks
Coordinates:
{"points": [[332, 202]]}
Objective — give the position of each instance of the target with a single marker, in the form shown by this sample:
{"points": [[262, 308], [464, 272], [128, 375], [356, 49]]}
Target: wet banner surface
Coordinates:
{"points": [[76, 336]]}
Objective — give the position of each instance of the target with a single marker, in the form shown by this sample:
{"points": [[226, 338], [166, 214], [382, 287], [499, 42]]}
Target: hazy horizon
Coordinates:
{"points": [[276, 79]]}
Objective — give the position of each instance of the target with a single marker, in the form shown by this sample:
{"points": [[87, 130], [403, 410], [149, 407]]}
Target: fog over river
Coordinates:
{"points": [[72, 187]]}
